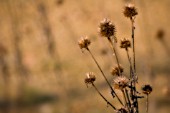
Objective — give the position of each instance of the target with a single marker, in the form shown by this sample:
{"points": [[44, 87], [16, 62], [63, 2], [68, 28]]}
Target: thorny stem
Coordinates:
{"points": [[114, 50], [135, 101], [103, 97], [133, 43], [112, 91], [130, 63], [128, 100], [147, 103], [131, 76], [124, 96]]}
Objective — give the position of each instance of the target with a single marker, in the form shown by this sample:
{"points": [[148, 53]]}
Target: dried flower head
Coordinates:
{"points": [[122, 110], [125, 43], [106, 28], [90, 78], [160, 34], [146, 89], [84, 42], [130, 11], [120, 82], [116, 70]]}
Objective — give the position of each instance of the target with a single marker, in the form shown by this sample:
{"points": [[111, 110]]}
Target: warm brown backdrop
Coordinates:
{"points": [[42, 68]]}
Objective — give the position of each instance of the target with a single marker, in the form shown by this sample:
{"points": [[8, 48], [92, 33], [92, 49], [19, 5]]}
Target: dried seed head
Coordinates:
{"points": [[120, 82], [125, 43], [90, 78], [116, 70], [130, 11], [106, 28], [160, 34], [146, 89], [84, 42], [122, 110]]}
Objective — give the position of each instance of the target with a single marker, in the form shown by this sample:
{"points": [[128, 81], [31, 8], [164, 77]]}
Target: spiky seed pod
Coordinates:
{"points": [[130, 11], [125, 43], [84, 42], [147, 89], [106, 28], [122, 110], [90, 78], [120, 82], [116, 70]]}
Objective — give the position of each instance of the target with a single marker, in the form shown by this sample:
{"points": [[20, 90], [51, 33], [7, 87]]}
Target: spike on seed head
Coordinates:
{"points": [[125, 43], [147, 89], [130, 11], [106, 28], [90, 78], [84, 42], [120, 82]]}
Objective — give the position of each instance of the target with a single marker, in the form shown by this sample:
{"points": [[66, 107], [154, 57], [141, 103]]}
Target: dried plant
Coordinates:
{"points": [[126, 84]]}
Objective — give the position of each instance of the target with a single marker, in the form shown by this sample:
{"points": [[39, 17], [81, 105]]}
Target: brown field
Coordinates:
{"points": [[42, 69]]}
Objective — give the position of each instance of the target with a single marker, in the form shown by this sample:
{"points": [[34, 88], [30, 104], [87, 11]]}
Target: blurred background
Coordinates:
{"points": [[42, 69]]}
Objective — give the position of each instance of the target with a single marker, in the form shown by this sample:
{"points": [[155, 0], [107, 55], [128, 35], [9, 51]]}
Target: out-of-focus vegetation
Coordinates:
{"points": [[42, 68]]}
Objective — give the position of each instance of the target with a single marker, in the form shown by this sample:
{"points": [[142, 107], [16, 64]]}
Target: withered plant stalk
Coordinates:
{"points": [[125, 99], [115, 53], [120, 82], [112, 91], [104, 97], [147, 103], [128, 99]]}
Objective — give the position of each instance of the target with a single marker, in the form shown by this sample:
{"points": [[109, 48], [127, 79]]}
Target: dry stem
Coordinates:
{"points": [[112, 91], [104, 97]]}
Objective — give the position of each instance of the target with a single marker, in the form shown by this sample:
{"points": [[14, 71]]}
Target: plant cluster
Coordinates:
{"points": [[125, 83]]}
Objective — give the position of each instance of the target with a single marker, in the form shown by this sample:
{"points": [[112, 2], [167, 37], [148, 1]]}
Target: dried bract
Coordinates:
{"points": [[125, 43], [106, 28], [90, 78], [130, 11], [84, 42], [146, 89], [120, 82]]}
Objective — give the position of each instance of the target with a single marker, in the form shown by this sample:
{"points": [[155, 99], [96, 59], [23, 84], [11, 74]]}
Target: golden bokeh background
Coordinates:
{"points": [[42, 69]]}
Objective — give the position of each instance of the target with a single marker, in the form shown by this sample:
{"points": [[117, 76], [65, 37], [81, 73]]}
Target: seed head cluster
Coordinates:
{"points": [[120, 82], [125, 43], [84, 42], [90, 78], [130, 11], [147, 89], [116, 70], [106, 28]]}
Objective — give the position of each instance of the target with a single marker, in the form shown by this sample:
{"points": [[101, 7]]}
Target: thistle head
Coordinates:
{"points": [[147, 89], [120, 82], [84, 42], [106, 28], [130, 11], [125, 43], [90, 78], [115, 70]]}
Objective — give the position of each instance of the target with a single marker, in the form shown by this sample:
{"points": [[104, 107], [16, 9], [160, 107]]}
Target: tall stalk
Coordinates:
{"points": [[112, 90]]}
